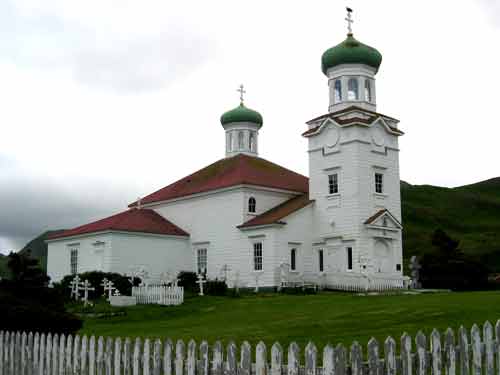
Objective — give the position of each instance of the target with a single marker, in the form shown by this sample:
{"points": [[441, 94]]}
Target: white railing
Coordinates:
{"points": [[358, 282], [158, 294]]}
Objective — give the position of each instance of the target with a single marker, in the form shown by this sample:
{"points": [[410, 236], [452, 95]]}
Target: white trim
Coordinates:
{"points": [[83, 235], [198, 243]]}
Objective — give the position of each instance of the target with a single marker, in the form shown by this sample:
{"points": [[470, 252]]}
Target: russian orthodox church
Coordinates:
{"points": [[252, 222]]}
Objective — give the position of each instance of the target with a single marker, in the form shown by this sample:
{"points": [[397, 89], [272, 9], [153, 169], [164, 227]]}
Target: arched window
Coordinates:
{"points": [[252, 204], [230, 142], [251, 141], [368, 90], [352, 89], [240, 140], [338, 91]]}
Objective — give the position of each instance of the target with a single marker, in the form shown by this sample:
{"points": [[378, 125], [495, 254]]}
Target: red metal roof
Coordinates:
{"points": [[133, 220], [275, 214], [237, 170]]}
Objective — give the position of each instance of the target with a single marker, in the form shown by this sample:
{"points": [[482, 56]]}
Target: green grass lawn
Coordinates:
{"points": [[322, 318]]}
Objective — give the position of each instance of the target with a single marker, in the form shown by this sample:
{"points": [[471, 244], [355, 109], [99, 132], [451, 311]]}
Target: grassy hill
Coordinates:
{"points": [[38, 248], [468, 213]]}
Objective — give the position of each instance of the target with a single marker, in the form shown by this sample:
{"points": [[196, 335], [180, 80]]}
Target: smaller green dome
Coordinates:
{"points": [[350, 51], [241, 114]]}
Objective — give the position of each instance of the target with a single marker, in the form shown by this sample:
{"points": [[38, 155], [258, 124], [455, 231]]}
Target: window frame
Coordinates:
{"points": [[354, 89], [241, 140], [337, 91], [251, 141], [321, 260], [379, 185], [368, 91], [230, 142], [73, 260], [349, 263], [293, 259], [201, 259], [252, 205], [258, 257], [333, 183]]}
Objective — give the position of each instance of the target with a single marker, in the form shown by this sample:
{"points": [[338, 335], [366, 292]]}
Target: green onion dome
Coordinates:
{"points": [[241, 114], [350, 51]]}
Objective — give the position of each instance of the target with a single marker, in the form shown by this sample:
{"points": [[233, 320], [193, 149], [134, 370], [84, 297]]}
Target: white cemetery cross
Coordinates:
{"points": [[86, 288], [74, 285], [108, 287], [165, 278], [175, 281], [138, 273], [200, 282], [117, 293]]}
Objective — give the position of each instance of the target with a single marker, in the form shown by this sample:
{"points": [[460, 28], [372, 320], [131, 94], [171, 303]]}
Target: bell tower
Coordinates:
{"points": [[242, 127]]}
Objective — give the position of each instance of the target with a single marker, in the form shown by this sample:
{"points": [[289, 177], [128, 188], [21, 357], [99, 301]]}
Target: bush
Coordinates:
{"points": [[188, 280], [95, 279], [216, 287]]}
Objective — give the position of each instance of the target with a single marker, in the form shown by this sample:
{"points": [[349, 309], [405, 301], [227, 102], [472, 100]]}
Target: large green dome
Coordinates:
{"points": [[241, 114], [350, 51]]}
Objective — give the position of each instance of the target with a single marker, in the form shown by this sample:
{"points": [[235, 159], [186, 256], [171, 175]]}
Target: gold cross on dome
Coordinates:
{"points": [[349, 20], [242, 91]]}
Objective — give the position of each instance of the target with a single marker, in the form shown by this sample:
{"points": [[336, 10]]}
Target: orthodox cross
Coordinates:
{"points": [[200, 282], [74, 285], [242, 91], [349, 20], [108, 287], [86, 287]]}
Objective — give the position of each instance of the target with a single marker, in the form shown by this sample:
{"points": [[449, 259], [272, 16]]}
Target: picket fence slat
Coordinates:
{"points": [[474, 352]]}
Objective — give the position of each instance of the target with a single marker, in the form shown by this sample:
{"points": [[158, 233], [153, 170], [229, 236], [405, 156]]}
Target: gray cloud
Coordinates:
{"points": [[127, 62], [492, 8]]}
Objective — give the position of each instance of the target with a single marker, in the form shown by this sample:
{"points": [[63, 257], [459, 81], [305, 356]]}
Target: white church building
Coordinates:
{"points": [[248, 220]]}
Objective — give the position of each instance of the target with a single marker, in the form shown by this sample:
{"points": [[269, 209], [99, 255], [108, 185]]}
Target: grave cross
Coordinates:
{"points": [[108, 287], [200, 282], [74, 285], [86, 288], [349, 20]]}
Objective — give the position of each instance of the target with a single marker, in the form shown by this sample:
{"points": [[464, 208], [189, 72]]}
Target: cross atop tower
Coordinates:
{"points": [[242, 91], [349, 20]]}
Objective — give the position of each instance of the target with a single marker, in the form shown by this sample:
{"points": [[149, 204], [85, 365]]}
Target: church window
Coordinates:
{"points": [[398, 267], [257, 256], [338, 91], [240, 140], [333, 183], [321, 260], [349, 258], [230, 142], [202, 260], [252, 204], [352, 89], [74, 261], [251, 141], [368, 90], [293, 259], [379, 183]]}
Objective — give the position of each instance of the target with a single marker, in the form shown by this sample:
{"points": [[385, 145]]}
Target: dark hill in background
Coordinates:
{"points": [[3, 266], [468, 213]]}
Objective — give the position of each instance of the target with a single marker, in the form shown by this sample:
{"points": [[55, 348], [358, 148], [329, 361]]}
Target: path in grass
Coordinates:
{"points": [[322, 318]]}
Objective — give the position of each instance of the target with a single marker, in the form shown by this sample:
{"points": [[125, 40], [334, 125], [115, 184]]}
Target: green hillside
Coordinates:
{"points": [[468, 213], [38, 248]]}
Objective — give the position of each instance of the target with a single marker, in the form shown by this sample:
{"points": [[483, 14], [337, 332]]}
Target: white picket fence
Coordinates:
{"points": [[356, 282], [477, 353], [158, 294]]}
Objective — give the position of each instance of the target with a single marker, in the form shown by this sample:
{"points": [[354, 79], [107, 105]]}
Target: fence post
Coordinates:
{"points": [[100, 356], [406, 362], [48, 356], [311, 359], [497, 342], [204, 363], [126, 358], [390, 356], [24, 349], [232, 367], [2, 346], [477, 361], [450, 353], [489, 348], [191, 358], [41, 357], [373, 357], [84, 355], [246, 359], [216, 359], [421, 343], [76, 355], [328, 361], [167, 357], [62, 355], [146, 358], [92, 359], [463, 343], [437, 362], [69, 353], [293, 359], [118, 357], [340, 360], [179, 357], [260, 359], [276, 359], [356, 359], [156, 358]]}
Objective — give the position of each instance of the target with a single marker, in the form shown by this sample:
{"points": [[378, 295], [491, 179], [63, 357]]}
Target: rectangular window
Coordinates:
{"points": [[202, 260], [73, 263], [321, 264], [333, 183], [379, 183], [257, 256], [293, 259], [349, 258]]}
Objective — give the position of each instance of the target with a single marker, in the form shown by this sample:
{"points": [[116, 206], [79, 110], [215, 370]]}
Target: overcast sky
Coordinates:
{"points": [[104, 101]]}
